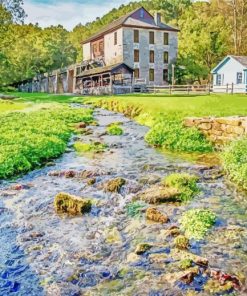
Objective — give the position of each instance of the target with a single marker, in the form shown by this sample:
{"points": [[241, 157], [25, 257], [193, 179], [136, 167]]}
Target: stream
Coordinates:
{"points": [[43, 253]]}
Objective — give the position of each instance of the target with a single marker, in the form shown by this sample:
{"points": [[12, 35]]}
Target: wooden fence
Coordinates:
{"points": [[180, 89]]}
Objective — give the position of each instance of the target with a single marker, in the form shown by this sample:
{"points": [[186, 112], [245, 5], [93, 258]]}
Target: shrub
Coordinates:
{"points": [[235, 162], [28, 139], [114, 130], [185, 183], [196, 222], [172, 135]]}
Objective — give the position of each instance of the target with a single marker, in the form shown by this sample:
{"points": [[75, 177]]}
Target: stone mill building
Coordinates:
{"points": [[135, 49]]}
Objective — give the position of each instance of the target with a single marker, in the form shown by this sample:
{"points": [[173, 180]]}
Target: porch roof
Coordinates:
{"points": [[107, 69]]}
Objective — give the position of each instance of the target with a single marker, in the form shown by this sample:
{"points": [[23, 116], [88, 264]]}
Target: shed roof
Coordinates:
{"points": [[102, 70], [127, 20], [241, 59]]}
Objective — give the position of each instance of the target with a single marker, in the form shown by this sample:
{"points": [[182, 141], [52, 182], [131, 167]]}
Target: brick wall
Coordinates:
{"points": [[219, 130]]}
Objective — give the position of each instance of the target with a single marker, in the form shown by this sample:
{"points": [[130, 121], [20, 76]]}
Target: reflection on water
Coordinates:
{"points": [[43, 253]]}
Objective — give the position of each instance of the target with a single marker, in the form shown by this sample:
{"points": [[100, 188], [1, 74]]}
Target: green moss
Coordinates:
{"points": [[30, 139], [185, 183], [235, 162], [90, 147], [134, 209], [185, 263], [114, 130], [196, 222]]}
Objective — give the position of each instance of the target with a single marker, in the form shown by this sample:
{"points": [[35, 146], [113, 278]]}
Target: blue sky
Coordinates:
{"points": [[67, 13]]}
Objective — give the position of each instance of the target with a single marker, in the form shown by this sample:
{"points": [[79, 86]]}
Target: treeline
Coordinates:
{"points": [[209, 31]]}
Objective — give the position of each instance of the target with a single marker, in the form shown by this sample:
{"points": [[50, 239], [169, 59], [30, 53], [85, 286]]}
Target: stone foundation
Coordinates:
{"points": [[219, 130]]}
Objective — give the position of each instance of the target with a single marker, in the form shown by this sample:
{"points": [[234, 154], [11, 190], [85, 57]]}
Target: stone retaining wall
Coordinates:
{"points": [[219, 130]]}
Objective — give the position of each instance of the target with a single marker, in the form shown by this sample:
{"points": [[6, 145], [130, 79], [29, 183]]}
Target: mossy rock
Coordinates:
{"points": [[142, 248], [158, 194], [215, 287], [71, 204], [186, 184], [115, 185], [114, 130], [181, 242], [185, 263], [153, 214]]}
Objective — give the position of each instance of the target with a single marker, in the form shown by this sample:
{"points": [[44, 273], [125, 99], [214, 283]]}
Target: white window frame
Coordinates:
{"points": [[239, 80], [218, 79]]}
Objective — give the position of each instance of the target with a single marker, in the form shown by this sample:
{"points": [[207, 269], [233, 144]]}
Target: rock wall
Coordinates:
{"points": [[220, 130]]}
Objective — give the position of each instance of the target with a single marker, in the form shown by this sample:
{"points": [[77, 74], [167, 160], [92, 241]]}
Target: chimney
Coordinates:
{"points": [[157, 18]]}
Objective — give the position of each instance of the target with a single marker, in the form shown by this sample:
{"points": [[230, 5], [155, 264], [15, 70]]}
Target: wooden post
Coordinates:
{"points": [[170, 89], [232, 88], [227, 88]]}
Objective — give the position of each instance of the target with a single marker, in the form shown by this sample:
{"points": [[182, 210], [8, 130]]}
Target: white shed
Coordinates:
{"points": [[230, 75]]}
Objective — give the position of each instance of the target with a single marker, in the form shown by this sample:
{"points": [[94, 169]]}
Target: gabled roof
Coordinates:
{"points": [[241, 59], [101, 70], [127, 20]]}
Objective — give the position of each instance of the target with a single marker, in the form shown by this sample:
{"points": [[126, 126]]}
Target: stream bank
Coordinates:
{"points": [[94, 254]]}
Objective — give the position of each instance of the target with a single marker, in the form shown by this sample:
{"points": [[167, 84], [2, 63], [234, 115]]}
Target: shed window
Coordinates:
{"points": [[151, 56], [166, 57], [165, 75], [136, 73], [101, 46], [115, 38], [166, 38], [239, 77], [136, 36], [151, 74], [218, 79], [136, 56], [151, 37]]}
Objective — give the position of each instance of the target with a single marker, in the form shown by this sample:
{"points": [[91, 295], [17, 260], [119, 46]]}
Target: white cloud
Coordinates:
{"points": [[67, 14]]}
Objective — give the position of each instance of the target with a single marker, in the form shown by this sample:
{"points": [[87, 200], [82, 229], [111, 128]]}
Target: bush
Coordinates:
{"points": [[172, 135], [28, 139], [196, 222], [185, 183], [235, 162]]}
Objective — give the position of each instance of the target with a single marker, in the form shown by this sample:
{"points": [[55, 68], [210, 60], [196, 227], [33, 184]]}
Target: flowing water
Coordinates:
{"points": [[43, 253]]}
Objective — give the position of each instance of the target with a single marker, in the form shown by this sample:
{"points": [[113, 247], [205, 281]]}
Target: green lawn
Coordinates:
{"points": [[194, 105]]}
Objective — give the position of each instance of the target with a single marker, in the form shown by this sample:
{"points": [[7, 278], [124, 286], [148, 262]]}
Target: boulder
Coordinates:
{"points": [[114, 185], [71, 204], [159, 194], [154, 215]]}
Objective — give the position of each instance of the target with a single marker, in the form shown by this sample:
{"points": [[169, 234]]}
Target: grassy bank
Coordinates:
{"points": [[31, 134], [164, 115]]}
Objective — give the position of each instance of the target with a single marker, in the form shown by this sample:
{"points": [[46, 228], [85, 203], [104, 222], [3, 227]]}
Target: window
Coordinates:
{"points": [[151, 56], [166, 57], [239, 77], [136, 56], [115, 38], [166, 38], [94, 48], [136, 36], [101, 46], [218, 79], [136, 73], [165, 75], [151, 37], [151, 74]]}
